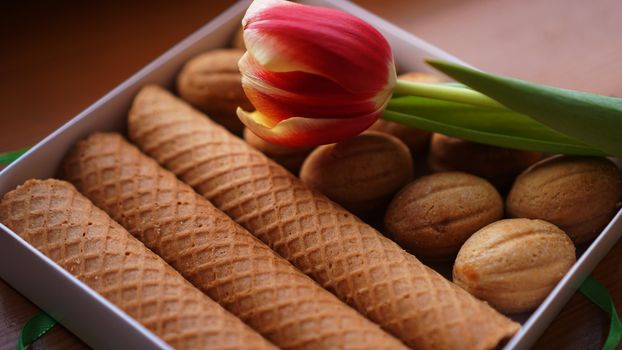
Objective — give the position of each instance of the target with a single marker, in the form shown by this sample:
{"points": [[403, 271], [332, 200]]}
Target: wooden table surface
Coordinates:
{"points": [[58, 57]]}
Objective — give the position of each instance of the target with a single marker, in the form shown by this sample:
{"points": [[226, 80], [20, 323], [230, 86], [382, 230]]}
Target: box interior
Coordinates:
{"points": [[86, 313]]}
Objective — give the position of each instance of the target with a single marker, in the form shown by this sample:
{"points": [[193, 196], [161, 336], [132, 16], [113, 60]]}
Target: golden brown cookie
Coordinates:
{"points": [[361, 173], [211, 82], [578, 194], [435, 214], [513, 264]]}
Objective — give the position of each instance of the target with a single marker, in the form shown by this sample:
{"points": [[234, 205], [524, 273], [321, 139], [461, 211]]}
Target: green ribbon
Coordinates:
{"points": [[599, 295], [34, 329], [9, 157]]}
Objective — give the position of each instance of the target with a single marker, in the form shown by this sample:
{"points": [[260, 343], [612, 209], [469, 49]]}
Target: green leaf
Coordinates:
{"points": [[480, 124], [595, 120]]}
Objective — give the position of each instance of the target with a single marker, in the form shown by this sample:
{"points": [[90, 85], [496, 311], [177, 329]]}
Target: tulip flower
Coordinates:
{"points": [[315, 75], [319, 75]]}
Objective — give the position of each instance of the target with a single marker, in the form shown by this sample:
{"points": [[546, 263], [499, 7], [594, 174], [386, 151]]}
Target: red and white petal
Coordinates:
{"points": [[258, 6], [279, 107], [286, 37], [293, 82], [306, 132], [281, 95]]}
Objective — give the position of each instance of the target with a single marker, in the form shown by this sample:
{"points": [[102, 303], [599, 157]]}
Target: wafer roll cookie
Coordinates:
{"points": [[214, 253], [57, 220], [339, 251]]}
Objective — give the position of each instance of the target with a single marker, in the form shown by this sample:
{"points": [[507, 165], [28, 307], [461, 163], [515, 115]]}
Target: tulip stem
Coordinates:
{"points": [[446, 93]]}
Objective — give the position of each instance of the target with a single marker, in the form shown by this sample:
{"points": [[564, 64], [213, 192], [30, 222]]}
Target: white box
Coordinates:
{"points": [[102, 325]]}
